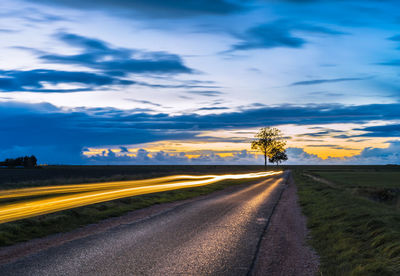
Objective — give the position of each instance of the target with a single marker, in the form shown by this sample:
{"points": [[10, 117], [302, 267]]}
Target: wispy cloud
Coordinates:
{"points": [[276, 34], [207, 93], [321, 81], [97, 54], [112, 66], [35, 80], [156, 8]]}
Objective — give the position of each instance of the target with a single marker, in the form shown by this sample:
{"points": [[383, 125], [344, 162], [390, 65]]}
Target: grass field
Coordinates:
{"points": [[355, 220]]}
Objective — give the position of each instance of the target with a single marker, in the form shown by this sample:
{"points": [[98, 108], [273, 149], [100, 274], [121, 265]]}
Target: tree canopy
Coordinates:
{"points": [[270, 142], [26, 162]]}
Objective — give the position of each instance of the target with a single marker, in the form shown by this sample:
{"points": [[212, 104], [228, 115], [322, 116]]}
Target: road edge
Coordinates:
{"points": [[284, 248]]}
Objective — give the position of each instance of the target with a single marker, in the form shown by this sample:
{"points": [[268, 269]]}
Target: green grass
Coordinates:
{"points": [[363, 179], [353, 234], [27, 229]]}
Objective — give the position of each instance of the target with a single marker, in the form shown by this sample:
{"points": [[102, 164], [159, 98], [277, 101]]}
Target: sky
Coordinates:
{"points": [[191, 82]]}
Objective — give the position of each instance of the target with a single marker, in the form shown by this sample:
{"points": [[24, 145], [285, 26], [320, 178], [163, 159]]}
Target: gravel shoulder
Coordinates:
{"points": [[284, 249]]}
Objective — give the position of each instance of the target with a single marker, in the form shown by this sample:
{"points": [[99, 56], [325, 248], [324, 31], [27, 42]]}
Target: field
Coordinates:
{"points": [[354, 217]]}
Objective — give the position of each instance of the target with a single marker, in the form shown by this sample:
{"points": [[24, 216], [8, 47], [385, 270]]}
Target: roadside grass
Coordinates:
{"points": [[380, 186], [352, 234], [363, 178], [27, 229]]}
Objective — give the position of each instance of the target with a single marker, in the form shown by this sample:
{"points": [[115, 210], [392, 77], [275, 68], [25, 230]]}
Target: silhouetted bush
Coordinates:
{"points": [[26, 162]]}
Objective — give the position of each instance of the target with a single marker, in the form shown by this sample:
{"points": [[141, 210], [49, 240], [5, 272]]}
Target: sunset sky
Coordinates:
{"points": [[191, 82]]}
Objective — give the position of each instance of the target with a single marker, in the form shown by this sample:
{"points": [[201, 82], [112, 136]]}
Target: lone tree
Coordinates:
{"points": [[270, 142]]}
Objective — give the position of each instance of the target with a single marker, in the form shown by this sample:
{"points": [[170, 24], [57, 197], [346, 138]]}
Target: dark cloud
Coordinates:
{"points": [[278, 34], [124, 149], [33, 80], [111, 66], [330, 146], [392, 130], [144, 102], [155, 8], [208, 93], [266, 36], [321, 146], [213, 108], [97, 54], [320, 81]]}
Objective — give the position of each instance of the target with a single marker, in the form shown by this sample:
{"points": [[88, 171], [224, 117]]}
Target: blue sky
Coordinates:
{"points": [[190, 82]]}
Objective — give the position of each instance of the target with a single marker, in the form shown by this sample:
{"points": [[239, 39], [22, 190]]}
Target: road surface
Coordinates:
{"points": [[218, 234]]}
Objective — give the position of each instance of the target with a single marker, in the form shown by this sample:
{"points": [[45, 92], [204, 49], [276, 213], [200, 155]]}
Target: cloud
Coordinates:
{"points": [[299, 156], [391, 130], [368, 156], [156, 8], [55, 134], [379, 156], [276, 34], [7, 31], [142, 157], [109, 66], [320, 81], [267, 36], [207, 93], [97, 54], [144, 102], [213, 108], [35, 80]]}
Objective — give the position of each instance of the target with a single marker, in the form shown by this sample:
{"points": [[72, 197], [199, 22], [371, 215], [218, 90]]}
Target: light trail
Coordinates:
{"points": [[60, 189], [100, 192]]}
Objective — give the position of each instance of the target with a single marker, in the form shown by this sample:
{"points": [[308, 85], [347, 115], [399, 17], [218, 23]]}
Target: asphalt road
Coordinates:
{"points": [[215, 235]]}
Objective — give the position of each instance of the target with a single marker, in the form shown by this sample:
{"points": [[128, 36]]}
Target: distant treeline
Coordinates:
{"points": [[26, 162]]}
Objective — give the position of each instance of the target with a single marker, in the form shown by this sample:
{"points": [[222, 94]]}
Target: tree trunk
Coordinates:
{"points": [[265, 161]]}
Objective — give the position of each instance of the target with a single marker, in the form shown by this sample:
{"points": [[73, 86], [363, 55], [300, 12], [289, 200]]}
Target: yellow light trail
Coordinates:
{"points": [[61, 189], [86, 194]]}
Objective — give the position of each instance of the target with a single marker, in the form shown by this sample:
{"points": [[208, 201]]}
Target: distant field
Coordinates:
{"points": [[354, 218]]}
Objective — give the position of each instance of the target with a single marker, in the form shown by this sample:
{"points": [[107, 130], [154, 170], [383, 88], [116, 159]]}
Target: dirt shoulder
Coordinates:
{"points": [[284, 249]]}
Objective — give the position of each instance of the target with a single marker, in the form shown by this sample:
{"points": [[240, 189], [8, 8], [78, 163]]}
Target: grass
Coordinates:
{"points": [[363, 179], [27, 229], [353, 234]]}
